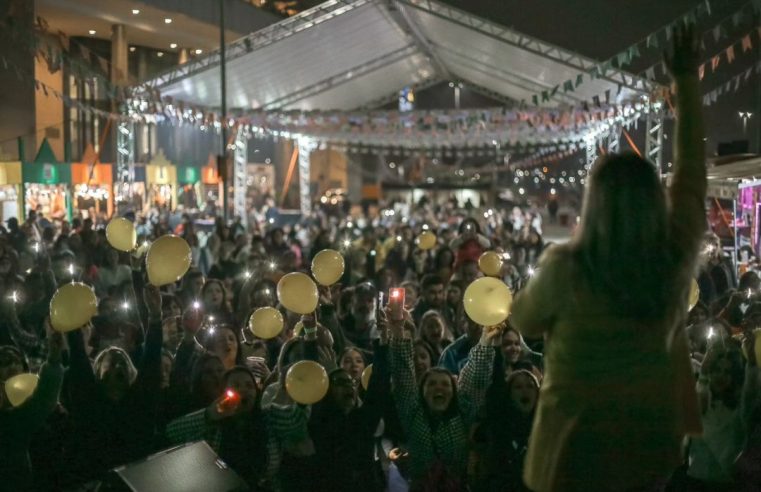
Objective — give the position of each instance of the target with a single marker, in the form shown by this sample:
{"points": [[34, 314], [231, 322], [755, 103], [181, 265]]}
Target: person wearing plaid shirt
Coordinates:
{"points": [[437, 416]]}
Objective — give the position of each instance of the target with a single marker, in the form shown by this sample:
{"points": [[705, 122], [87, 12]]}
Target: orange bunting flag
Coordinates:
{"points": [[731, 54], [747, 43], [702, 71], [715, 62]]}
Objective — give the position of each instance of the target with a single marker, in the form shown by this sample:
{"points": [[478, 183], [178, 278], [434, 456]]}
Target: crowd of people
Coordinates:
{"points": [[449, 405]]}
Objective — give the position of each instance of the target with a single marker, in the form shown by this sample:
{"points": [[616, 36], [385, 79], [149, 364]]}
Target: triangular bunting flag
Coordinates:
{"points": [[706, 100], [702, 71], [650, 73], [746, 75], [568, 86], [633, 52], [731, 54], [715, 62], [545, 96], [737, 18], [717, 33], [747, 44], [708, 7], [535, 100], [622, 59], [737, 82], [668, 32], [579, 79], [652, 41]]}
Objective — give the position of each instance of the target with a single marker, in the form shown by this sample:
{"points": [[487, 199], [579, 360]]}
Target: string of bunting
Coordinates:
{"points": [[653, 41]]}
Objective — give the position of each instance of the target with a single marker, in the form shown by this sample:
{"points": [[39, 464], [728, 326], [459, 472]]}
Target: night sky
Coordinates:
{"points": [[601, 28]]}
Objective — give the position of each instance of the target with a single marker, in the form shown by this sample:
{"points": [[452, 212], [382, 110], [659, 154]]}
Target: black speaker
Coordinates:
{"points": [[191, 467]]}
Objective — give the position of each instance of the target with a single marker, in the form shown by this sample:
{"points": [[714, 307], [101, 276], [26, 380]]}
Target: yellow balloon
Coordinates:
{"points": [[20, 387], [487, 301], [72, 307], [266, 323], [306, 382], [327, 267], [694, 295], [490, 263], [167, 260], [121, 234], [366, 376], [426, 240], [298, 293]]}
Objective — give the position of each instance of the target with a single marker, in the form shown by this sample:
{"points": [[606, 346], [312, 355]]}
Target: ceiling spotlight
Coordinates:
{"points": [[132, 49], [199, 51], [173, 45], [167, 20], [160, 54], [92, 32], [135, 11]]}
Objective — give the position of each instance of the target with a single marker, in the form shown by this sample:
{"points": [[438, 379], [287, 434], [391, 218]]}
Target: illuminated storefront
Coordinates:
{"points": [[11, 198], [47, 185]]}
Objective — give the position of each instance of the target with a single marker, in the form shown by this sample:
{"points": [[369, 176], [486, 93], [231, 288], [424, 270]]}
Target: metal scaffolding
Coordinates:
{"points": [[125, 161], [591, 152], [654, 136], [240, 165], [306, 145], [613, 140]]}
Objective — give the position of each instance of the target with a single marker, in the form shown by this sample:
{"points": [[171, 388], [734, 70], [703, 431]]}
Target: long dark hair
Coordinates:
{"points": [[621, 244]]}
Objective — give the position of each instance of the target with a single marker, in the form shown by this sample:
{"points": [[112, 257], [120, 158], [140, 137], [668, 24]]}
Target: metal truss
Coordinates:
{"points": [[527, 43], [590, 145], [259, 39], [613, 140], [397, 13], [654, 136], [306, 146], [342, 78], [125, 151], [240, 169]]}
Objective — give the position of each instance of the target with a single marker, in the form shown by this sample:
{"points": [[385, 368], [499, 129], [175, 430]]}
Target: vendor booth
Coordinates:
{"points": [[47, 185], [129, 196], [93, 187], [11, 198], [189, 181], [161, 182], [734, 203]]}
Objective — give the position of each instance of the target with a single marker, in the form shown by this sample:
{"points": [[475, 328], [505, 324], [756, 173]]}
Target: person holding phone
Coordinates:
{"points": [[437, 413], [233, 425]]}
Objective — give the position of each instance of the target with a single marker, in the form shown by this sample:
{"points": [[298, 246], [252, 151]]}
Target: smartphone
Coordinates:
{"points": [[379, 306], [396, 303], [230, 402]]}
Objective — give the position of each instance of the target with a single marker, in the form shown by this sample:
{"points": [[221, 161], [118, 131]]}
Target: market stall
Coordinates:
{"points": [[161, 182], [93, 186], [188, 180], [129, 196], [734, 203], [11, 198], [47, 185]]}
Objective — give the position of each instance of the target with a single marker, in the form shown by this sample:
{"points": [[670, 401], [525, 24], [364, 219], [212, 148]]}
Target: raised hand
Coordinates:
{"points": [[685, 57], [152, 299]]}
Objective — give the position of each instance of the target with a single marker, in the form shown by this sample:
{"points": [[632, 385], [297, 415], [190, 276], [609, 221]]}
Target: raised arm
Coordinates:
{"points": [[475, 377], [403, 371], [688, 187], [149, 372]]}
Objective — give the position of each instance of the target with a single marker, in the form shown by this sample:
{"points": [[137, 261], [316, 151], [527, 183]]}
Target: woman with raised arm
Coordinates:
{"points": [[437, 413], [618, 394]]}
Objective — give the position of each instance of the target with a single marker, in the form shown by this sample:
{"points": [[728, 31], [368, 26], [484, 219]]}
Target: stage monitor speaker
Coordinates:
{"points": [[192, 467]]}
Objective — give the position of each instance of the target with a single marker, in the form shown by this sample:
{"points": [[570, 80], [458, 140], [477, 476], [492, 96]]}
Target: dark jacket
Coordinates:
{"points": [[344, 443], [113, 433]]}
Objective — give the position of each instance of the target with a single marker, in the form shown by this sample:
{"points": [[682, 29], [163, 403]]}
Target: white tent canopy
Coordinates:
{"points": [[355, 54]]}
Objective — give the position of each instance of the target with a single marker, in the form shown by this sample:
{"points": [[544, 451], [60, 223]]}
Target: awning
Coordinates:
{"points": [[352, 54]]}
